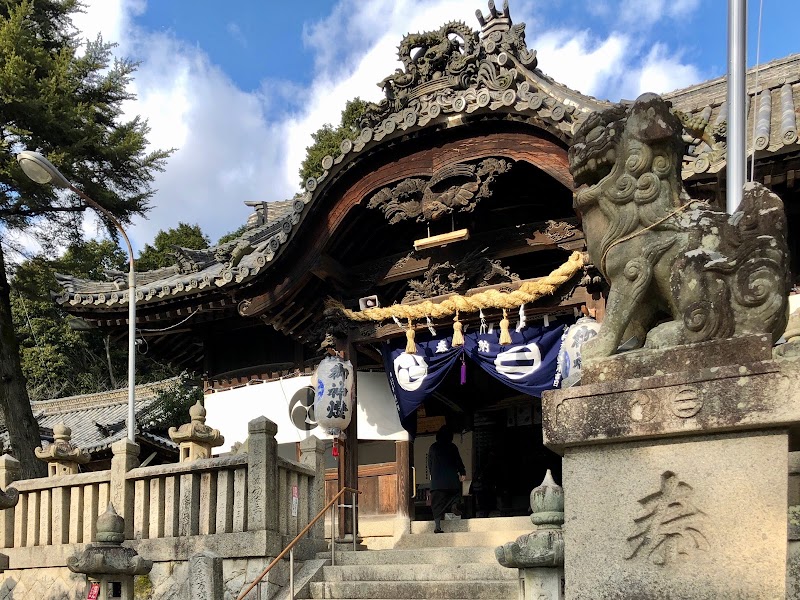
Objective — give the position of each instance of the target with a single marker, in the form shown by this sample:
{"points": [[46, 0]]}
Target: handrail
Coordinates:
{"points": [[320, 514]]}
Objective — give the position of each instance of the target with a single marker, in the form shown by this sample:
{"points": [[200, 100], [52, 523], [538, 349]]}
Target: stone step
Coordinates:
{"points": [[425, 556], [463, 525], [487, 539], [420, 572], [428, 590]]}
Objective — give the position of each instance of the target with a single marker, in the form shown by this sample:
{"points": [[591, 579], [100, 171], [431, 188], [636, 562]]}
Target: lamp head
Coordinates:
{"points": [[41, 170]]}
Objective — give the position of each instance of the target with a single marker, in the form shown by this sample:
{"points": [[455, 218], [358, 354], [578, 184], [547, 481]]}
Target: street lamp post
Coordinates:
{"points": [[41, 170]]}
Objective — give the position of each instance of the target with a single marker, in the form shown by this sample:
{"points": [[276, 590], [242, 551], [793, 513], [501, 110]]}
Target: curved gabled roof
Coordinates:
{"points": [[444, 84], [450, 77], [233, 262], [98, 420]]}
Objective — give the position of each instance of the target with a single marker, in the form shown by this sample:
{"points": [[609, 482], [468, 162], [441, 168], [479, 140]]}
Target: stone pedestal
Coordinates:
{"points": [[542, 584], [205, 576], [109, 567], [675, 472]]}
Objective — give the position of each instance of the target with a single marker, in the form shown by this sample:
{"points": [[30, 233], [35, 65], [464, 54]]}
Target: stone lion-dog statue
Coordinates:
{"points": [[679, 271]]}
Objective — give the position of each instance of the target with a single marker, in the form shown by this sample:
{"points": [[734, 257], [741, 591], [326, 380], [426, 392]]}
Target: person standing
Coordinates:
{"points": [[447, 472]]}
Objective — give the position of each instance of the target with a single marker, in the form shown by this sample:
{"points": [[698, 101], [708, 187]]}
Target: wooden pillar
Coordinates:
{"points": [[348, 450], [405, 483], [340, 479]]}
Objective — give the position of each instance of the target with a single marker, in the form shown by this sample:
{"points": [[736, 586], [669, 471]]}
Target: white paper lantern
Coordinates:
{"points": [[333, 404], [569, 357]]}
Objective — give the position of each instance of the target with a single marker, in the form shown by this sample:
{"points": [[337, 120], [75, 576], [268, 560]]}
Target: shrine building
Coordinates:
{"points": [[455, 192]]}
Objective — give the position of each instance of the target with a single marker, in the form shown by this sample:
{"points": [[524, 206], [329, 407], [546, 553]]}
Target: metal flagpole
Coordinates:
{"points": [[737, 119]]}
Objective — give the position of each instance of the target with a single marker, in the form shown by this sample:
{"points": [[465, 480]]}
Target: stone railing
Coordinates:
{"points": [[239, 506], [190, 498], [55, 510]]}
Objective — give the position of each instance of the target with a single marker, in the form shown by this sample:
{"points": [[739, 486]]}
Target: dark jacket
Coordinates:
{"points": [[445, 465]]}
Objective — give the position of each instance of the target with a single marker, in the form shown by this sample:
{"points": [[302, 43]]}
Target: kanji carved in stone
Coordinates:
{"points": [[671, 526]]}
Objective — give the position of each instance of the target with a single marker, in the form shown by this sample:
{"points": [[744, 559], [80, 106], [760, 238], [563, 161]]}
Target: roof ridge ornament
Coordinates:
{"points": [[498, 33], [453, 69]]}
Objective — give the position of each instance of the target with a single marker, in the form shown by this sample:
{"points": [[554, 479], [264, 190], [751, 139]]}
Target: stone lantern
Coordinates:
{"points": [[108, 565], [539, 555], [196, 439], [62, 456]]}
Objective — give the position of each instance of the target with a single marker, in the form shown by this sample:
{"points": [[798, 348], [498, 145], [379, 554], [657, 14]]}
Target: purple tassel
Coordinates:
{"points": [[463, 371]]}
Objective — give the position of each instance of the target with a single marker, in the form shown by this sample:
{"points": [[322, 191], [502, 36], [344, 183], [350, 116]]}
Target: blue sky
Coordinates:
{"points": [[254, 40], [238, 87]]}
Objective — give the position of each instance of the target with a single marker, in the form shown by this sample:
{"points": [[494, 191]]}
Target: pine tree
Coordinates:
{"points": [[327, 139], [161, 253], [63, 99]]}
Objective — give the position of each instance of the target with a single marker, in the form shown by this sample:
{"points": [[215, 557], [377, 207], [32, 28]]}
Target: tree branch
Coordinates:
{"points": [[18, 212]]}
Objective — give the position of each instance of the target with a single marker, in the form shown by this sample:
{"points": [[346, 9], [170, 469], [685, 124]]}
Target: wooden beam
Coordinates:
{"points": [[506, 242], [371, 352], [308, 315], [402, 457], [283, 325], [547, 155], [329, 269], [145, 333]]}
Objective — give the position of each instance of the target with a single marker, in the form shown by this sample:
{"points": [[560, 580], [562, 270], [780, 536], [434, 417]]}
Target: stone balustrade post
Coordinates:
{"points": [[262, 475], [125, 457], [10, 471], [312, 454]]}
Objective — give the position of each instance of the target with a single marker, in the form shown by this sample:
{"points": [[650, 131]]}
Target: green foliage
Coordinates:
{"points": [[57, 358], [69, 108], [327, 139], [161, 253], [142, 587], [171, 406], [65, 101], [232, 235]]}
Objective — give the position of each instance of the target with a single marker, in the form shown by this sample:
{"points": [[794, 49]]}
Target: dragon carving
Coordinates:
{"points": [[439, 57], [438, 65], [453, 188], [713, 275]]}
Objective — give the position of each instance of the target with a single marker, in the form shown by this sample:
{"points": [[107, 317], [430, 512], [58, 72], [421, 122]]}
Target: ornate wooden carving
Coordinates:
{"points": [[470, 272], [560, 230], [543, 153], [453, 188]]}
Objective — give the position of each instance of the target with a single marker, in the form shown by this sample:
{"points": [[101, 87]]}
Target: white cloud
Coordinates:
{"points": [[661, 73], [642, 15], [592, 66], [233, 145], [236, 33], [111, 18]]}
